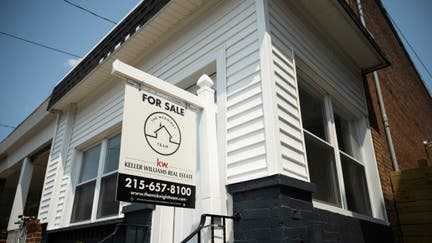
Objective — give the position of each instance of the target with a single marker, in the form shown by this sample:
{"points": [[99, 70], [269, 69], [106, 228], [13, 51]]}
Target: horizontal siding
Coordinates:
{"points": [[231, 26], [92, 117], [234, 27], [292, 153], [53, 164], [289, 32]]}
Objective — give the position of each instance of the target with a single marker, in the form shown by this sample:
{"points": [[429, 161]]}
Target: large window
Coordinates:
{"points": [[333, 151], [94, 193]]}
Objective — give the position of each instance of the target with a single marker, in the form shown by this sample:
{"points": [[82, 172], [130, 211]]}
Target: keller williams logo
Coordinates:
{"points": [[162, 133]]}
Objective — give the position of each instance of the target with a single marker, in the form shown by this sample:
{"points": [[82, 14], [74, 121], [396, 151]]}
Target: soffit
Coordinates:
{"points": [[337, 20], [128, 49]]}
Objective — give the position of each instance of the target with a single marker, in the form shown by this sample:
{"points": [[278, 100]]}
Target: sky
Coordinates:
{"points": [[28, 73]]}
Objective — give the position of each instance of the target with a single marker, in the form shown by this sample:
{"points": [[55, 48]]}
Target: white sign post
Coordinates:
{"points": [[210, 190], [158, 150]]}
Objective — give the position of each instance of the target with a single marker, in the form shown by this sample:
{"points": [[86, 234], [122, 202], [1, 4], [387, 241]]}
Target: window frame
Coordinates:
{"points": [[330, 104], [79, 151]]}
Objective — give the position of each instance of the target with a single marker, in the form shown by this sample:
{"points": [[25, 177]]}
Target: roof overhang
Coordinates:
{"points": [[34, 133], [338, 21], [139, 32], [151, 20]]}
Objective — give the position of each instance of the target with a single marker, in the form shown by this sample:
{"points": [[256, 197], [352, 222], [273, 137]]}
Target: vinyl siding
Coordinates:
{"points": [[231, 27], [289, 32], [293, 161], [92, 117], [293, 38], [51, 174]]}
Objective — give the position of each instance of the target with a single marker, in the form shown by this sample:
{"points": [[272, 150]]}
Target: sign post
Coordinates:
{"points": [[210, 190], [158, 150]]}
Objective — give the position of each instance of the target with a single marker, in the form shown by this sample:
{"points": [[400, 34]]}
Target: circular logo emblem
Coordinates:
{"points": [[162, 133]]}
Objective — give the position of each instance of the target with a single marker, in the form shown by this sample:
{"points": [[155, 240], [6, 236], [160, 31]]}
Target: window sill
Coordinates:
{"points": [[89, 223], [349, 213]]}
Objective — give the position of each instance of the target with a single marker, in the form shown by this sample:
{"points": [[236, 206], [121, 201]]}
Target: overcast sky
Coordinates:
{"points": [[28, 73]]}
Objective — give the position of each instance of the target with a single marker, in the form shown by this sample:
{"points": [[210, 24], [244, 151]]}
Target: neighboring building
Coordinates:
{"points": [[407, 102], [292, 109]]}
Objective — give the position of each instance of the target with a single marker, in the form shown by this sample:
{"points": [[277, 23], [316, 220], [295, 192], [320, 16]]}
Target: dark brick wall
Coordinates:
{"points": [[134, 227], [279, 209]]}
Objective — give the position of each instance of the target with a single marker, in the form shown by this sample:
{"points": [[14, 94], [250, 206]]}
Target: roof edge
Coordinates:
{"points": [[368, 36], [124, 30], [396, 34]]}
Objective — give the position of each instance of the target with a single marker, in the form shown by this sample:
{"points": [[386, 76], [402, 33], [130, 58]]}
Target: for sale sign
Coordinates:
{"points": [[158, 151]]}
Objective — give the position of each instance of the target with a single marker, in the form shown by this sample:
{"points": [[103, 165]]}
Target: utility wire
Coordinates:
{"points": [[409, 45], [2, 125], [39, 44], [90, 12]]}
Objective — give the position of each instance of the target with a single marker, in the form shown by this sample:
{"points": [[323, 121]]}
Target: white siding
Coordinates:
{"points": [[292, 37], [289, 32], [51, 174], [290, 131], [92, 118], [231, 26]]}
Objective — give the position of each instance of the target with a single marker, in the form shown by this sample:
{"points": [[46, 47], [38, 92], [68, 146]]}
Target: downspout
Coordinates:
{"points": [[381, 102]]}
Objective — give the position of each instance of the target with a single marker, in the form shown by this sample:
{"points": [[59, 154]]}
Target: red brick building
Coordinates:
{"points": [[406, 99]]}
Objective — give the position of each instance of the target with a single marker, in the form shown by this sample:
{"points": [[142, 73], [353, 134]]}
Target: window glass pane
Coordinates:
{"points": [[346, 136], [312, 114], [113, 154], [90, 164], [355, 186], [107, 205], [322, 170], [83, 202]]}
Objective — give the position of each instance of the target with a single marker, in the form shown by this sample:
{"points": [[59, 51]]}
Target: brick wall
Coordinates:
{"points": [[3, 235], [34, 231], [407, 102]]}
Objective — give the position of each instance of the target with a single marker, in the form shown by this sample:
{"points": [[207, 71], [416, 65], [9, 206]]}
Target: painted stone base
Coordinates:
{"points": [[279, 209], [134, 227]]}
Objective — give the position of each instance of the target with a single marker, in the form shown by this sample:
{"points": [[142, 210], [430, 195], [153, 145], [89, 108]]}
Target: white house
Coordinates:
{"points": [[293, 153]]}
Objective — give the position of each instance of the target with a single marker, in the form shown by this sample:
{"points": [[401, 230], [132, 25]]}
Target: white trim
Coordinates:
{"points": [[102, 156], [221, 114], [313, 136], [366, 159], [126, 71], [376, 195], [66, 140], [331, 128], [21, 193], [274, 164], [95, 220], [346, 212], [78, 154]]}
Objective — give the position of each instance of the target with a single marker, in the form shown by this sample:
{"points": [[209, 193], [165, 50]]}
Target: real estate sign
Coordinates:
{"points": [[158, 151]]}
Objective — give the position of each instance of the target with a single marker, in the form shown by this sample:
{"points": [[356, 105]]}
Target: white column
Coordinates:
{"points": [[210, 196], [21, 193]]}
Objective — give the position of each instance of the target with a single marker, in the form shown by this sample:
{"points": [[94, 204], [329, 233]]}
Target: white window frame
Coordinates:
{"points": [[309, 84], [79, 157]]}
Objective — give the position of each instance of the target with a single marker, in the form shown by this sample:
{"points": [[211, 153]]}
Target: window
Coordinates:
{"points": [[333, 151], [94, 197]]}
